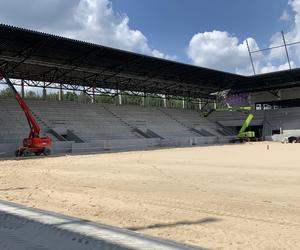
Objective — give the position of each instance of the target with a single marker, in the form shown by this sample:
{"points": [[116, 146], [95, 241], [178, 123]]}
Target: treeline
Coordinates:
{"points": [[82, 97]]}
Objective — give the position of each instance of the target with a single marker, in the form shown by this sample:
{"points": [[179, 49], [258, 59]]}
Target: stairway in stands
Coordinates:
{"points": [[46, 129], [137, 132], [191, 130]]}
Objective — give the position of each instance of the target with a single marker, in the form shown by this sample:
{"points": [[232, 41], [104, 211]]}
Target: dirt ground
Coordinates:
{"points": [[218, 197]]}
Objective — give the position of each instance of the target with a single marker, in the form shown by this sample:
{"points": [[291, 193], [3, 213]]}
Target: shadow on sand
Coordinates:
{"points": [[175, 224]]}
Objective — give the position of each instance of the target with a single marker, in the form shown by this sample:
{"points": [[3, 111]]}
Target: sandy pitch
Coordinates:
{"points": [[221, 197]]}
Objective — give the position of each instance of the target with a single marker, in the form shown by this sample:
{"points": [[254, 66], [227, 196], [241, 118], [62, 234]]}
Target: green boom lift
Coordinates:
{"points": [[242, 135], [246, 135]]}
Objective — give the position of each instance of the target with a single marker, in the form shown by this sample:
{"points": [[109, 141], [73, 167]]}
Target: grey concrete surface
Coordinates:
{"points": [[7, 150], [23, 228]]}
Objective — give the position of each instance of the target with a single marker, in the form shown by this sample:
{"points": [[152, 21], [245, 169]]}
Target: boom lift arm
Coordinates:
{"points": [[246, 124], [242, 135], [33, 144]]}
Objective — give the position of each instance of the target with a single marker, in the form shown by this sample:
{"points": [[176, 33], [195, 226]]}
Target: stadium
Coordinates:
{"points": [[171, 150]]}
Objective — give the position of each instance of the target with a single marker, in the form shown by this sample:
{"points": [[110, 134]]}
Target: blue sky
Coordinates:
{"points": [[207, 33], [170, 24]]}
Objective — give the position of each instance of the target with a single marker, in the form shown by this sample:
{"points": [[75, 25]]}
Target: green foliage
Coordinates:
{"points": [[154, 101], [6, 93], [132, 100], [81, 97], [107, 99], [70, 96], [173, 103], [32, 95], [52, 96]]}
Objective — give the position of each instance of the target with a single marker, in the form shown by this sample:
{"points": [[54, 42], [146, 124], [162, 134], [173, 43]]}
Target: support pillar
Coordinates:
{"points": [[200, 103], [120, 98], [143, 100], [22, 89], [165, 101], [279, 95], [215, 104], [250, 99], [60, 95], [93, 95], [44, 93], [85, 96]]}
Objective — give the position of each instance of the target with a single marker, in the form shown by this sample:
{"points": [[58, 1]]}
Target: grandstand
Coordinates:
{"points": [[50, 62], [77, 127], [94, 99]]}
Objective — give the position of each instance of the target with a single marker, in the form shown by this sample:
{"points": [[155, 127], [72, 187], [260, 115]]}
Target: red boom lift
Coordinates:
{"points": [[34, 144]]}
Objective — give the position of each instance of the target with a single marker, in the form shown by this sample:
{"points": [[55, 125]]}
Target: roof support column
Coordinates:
{"points": [[85, 96], [44, 92], [164, 101], [200, 103], [120, 98], [60, 93], [249, 99], [279, 95], [93, 95], [22, 89], [143, 100]]}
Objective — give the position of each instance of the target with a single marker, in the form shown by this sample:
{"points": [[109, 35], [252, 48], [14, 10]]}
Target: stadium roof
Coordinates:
{"points": [[31, 55], [269, 81]]}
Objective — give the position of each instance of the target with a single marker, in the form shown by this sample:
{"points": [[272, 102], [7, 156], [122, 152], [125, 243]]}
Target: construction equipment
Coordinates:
{"points": [[33, 144], [242, 135], [294, 139]]}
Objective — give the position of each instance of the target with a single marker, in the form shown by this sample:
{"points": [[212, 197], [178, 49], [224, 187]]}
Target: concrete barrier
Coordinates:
{"points": [[62, 147], [8, 149]]}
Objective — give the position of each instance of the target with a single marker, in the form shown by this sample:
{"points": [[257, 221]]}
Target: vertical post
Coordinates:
{"points": [[279, 95], [60, 94], [286, 50], [165, 101], [215, 104], [120, 98], [93, 95], [183, 103], [250, 99], [44, 92], [22, 89], [200, 103], [86, 97], [143, 99], [250, 55]]}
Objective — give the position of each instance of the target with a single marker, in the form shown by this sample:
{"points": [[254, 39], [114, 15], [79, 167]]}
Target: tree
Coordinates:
{"points": [[71, 96], [32, 95], [6, 93]]}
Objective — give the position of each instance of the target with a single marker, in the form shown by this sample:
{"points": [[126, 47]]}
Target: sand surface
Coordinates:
{"points": [[219, 197]]}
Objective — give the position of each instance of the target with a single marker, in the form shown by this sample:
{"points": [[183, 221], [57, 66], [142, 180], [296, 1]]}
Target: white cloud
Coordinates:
{"points": [[271, 68], [96, 21], [294, 34], [285, 16], [223, 51], [220, 50], [277, 53]]}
